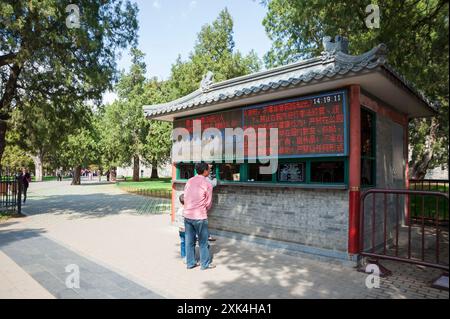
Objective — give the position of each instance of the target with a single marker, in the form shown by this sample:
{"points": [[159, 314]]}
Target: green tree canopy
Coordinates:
{"points": [[41, 128], [14, 158], [125, 118], [42, 57], [80, 149], [214, 51]]}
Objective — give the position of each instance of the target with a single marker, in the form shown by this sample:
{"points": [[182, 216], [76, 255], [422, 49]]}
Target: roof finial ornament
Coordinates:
{"points": [[340, 44], [207, 81]]}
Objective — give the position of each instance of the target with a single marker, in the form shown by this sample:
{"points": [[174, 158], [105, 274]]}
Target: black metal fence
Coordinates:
{"points": [[10, 194]]}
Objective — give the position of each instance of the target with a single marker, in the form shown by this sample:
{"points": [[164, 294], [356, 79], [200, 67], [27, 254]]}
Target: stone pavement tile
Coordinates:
{"points": [[49, 269], [16, 283], [66, 293]]}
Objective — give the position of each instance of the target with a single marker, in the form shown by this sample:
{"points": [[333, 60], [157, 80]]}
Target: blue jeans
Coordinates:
{"points": [[199, 228], [182, 244]]}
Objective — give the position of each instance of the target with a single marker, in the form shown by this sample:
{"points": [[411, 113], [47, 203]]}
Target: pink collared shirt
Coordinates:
{"points": [[197, 197]]}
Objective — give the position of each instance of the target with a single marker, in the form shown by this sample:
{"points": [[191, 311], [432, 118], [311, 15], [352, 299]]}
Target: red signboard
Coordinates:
{"points": [[222, 120], [310, 126]]}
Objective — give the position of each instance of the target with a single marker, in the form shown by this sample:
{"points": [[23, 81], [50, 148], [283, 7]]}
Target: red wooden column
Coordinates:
{"points": [[354, 169], [174, 177]]}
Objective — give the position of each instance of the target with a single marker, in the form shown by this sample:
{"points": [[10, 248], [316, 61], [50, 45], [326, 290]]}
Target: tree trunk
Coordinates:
{"points": [[136, 168], [420, 165], [113, 174], [76, 178], [154, 170], [3, 128], [38, 164], [8, 90]]}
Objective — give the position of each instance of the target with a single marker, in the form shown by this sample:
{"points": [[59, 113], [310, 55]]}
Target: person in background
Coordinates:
{"points": [[181, 230], [26, 179], [213, 180]]}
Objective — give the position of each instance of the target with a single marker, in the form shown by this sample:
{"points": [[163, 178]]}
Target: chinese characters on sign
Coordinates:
{"points": [[306, 127], [220, 121]]}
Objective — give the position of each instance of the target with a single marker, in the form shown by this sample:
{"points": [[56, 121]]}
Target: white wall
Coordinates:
{"points": [[437, 173], [163, 170]]}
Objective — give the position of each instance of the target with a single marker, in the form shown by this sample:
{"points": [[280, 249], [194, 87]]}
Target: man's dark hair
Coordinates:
{"points": [[201, 167], [181, 199]]}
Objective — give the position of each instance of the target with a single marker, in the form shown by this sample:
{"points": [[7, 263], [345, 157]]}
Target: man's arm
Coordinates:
{"points": [[208, 197]]}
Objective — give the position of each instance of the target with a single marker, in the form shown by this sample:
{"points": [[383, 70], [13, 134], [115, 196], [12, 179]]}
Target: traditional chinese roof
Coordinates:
{"points": [[335, 68]]}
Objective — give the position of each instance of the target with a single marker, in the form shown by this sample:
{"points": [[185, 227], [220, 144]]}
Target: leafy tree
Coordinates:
{"points": [[108, 125], [81, 149], [158, 142], [14, 157], [41, 129], [43, 58], [416, 33], [213, 51], [125, 118]]}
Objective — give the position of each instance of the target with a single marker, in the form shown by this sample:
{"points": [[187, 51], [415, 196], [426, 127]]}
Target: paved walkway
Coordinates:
{"points": [[124, 253], [17, 283], [50, 264]]}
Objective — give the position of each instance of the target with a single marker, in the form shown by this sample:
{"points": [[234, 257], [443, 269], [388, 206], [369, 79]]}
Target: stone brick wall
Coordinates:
{"points": [[310, 217]]}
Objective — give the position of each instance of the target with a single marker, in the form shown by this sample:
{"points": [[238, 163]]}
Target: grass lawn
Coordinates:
{"points": [[5, 215], [147, 184], [48, 178], [428, 204]]}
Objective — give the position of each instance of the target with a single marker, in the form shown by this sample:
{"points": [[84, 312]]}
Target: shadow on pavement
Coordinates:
{"points": [[94, 205], [8, 237]]}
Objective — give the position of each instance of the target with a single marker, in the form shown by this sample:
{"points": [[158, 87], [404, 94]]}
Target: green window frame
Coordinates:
{"points": [[244, 171]]}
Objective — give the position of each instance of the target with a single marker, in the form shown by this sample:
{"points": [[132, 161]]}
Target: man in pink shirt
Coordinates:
{"points": [[197, 202]]}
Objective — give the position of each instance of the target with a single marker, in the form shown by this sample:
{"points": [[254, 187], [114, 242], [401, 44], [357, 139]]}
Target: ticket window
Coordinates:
{"points": [[328, 172], [186, 171], [230, 172], [291, 172], [254, 173]]}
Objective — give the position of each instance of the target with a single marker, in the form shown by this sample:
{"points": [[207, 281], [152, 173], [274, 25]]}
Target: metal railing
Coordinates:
{"points": [[389, 233], [10, 194]]}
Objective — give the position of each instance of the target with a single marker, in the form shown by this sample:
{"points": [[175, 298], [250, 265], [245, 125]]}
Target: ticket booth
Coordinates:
{"points": [[342, 127]]}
